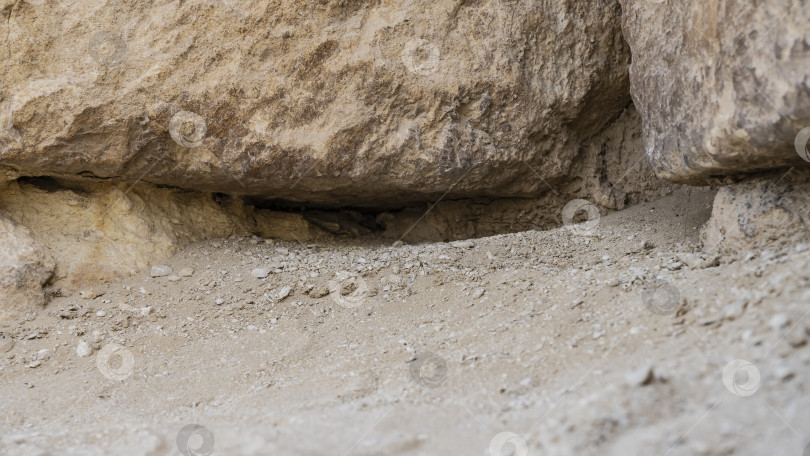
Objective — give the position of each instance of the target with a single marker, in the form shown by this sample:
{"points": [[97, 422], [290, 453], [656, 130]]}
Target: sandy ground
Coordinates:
{"points": [[626, 340]]}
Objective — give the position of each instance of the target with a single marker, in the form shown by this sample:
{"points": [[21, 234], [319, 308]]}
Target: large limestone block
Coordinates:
{"points": [[25, 267], [332, 101], [723, 86]]}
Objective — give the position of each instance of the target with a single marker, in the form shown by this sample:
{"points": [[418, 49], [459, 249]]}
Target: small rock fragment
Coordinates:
{"points": [[284, 292], [640, 377], [101, 313], [90, 294], [126, 307], [478, 293], [779, 321], [260, 273], [160, 270], [6, 345], [734, 310], [186, 272], [319, 291], [463, 244], [84, 350], [219, 301]]}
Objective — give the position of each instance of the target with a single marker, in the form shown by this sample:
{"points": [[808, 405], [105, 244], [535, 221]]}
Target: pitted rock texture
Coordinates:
{"points": [[760, 214], [25, 267], [335, 102], [722, 85]]}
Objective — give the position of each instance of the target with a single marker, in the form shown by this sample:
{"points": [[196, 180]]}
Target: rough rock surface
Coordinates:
{"points": [[334, 101], [760, 214], [611, 172], [25, 267], [722, 85], [98, 231]]}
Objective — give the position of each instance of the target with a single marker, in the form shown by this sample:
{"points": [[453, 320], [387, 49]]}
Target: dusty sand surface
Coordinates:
{"points": [[623, 341]]}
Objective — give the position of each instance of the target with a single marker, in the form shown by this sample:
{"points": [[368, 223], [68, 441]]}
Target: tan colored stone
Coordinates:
{"points": [[285, 226], [722, 85], [760, 214], [25, 267], [333, 101], [99, 232]]}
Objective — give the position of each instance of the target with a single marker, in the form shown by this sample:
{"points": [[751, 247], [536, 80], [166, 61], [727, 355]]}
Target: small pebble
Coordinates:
{"points": [[160, 270], [90, 294], [779, 321], [101, 313], [219, 301], [6, 345], [84, 350], [260, 273], [186, 272], [284, 292], [640, 377], [463, 244]]}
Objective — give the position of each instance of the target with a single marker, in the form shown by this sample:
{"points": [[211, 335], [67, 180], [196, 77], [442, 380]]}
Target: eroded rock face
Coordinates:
{"points": [[100, 232], [723, 86], [766, 213], [339, 102], [25, 267]]}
